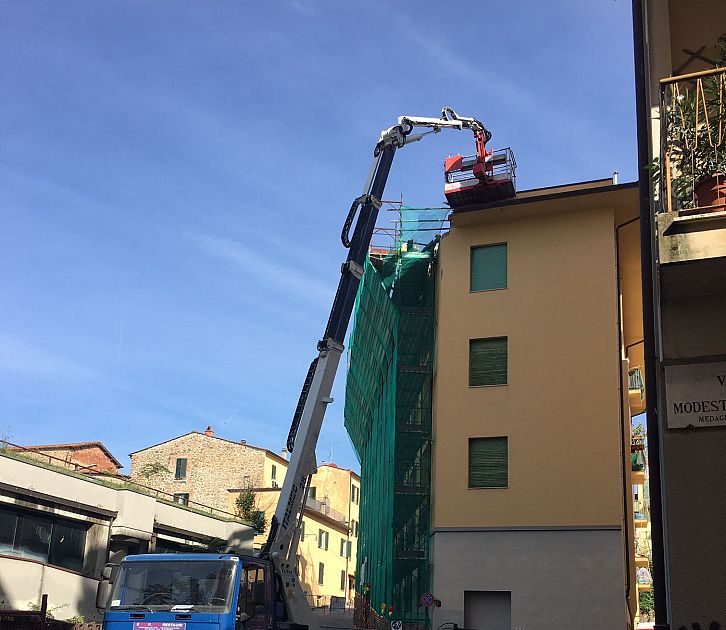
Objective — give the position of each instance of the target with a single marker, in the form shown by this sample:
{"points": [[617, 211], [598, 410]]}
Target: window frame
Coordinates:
{"points": [[323, 539], [506, 266], [176, 469], [22, 516], [506, 375], [184, 496], [468, 462]]}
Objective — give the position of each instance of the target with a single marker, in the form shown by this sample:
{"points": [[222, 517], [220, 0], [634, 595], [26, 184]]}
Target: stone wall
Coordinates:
{"points": [[213, 466]]}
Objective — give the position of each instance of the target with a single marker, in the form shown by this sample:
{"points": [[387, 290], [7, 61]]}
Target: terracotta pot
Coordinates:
{"points": [[711, 190]]}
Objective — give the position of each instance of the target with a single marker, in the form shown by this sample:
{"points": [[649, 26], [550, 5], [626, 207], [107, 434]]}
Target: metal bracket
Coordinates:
{"points": [[375, 201], [352, 268]]}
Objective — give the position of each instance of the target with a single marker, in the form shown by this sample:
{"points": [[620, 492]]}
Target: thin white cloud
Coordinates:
{"points": [[19, 357], [267, 270], [302, 7], [453, 63]]}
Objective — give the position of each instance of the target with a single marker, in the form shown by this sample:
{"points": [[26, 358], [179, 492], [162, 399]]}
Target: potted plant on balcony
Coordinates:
{"points": [[637, 439], [696, 140]]}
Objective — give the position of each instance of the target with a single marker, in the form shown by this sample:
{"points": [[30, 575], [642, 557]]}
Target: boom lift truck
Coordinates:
{"points": [[234, 592]]}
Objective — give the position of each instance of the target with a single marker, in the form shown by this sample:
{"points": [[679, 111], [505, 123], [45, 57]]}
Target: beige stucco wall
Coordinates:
{"points": [[23, 582], [560, 408], [280, 468], [693, 24]]}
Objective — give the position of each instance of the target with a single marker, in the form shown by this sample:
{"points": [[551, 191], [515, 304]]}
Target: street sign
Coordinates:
{"points": [[396, 625], [696, 395], [427, 599]]}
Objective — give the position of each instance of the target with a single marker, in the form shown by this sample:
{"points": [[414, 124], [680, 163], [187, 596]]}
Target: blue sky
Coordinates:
{"points": [[174, 177]]}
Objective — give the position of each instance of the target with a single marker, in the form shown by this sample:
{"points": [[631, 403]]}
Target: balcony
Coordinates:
{"points": [[641, 561], [640, 519], [324, 508], [636, 391], [691, 170]]}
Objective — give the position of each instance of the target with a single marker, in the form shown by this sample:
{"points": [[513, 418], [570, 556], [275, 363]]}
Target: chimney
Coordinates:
{"points": [[284, 454], [209, 431]]}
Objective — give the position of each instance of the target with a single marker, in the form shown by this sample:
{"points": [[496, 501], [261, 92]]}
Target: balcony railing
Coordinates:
{"points": [[691, 170], [324, 508], [636, 382]]}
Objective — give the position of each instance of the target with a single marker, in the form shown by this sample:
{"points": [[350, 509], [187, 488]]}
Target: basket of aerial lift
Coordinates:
{"points": [[472, 179]]}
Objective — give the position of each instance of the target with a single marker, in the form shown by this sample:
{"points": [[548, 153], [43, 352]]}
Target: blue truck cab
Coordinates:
{"points": [[191, 591]]}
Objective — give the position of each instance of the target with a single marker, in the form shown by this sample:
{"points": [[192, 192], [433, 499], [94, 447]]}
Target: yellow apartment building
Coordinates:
{"points": [[329, 535], [539, 344]]}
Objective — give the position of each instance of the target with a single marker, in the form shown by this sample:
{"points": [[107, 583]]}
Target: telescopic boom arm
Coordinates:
{"points": [[283, 538]]}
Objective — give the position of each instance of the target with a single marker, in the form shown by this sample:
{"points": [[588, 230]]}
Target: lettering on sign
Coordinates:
{"points": [[696, 395], [289, 506]]}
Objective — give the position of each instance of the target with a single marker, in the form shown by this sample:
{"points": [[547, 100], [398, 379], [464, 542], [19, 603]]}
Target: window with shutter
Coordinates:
{"points": [[488, 462], [488, 267], [181, 468], [488, 361], [321, 573]]}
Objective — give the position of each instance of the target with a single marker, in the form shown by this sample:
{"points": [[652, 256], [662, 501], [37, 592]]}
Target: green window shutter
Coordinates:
{"points": [[488, 361], [488, 462], [488, 267]]}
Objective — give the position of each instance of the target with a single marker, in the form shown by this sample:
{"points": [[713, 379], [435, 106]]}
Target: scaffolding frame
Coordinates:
{"points": [[388, 415]]}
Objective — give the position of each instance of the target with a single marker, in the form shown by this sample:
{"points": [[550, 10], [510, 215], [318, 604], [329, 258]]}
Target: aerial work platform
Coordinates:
{"points": [[472, 179]]}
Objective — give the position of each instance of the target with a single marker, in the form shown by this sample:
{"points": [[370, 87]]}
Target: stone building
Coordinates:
{"points": [[86, 457], [201, 467]]}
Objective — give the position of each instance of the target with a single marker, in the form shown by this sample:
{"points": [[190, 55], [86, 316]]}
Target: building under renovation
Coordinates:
{"points": [[388, 415], [489, 400]]}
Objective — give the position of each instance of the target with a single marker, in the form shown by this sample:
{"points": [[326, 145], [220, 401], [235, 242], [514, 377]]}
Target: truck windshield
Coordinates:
{"points": [[196, 585]]}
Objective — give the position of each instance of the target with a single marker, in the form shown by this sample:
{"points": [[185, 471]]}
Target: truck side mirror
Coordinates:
{"points": [[110, 571], [105, 586]]}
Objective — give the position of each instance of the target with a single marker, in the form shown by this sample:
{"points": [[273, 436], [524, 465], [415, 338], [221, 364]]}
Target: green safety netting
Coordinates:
{"points": [[388, 415]]}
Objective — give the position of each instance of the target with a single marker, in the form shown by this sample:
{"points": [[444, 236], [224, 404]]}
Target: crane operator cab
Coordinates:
{"points": [[474, 179]]}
